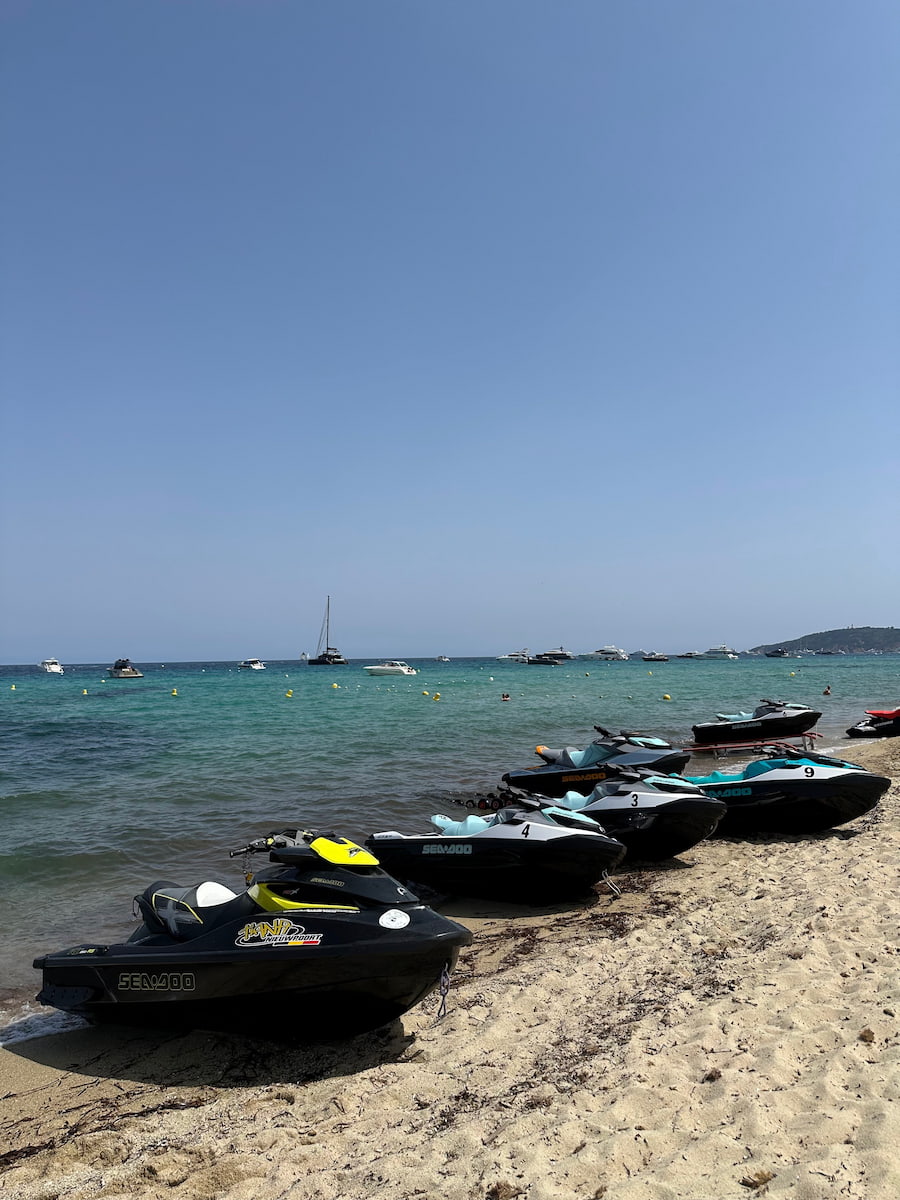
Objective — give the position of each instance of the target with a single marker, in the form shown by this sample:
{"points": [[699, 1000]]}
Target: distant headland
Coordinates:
{"points": [[855, 639]]}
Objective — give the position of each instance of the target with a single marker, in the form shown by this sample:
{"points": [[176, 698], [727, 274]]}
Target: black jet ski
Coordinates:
{"points": [[878, 722], [792, 793], [510, 855], [571, 770], [653, 816], [322, 944], [770, 719]]}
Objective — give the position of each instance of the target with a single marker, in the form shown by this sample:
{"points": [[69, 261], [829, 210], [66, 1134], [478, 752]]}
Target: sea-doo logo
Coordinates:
{"points": [[277, 932], [168, 981], [731, 792], [462, 848], [583, 775]]}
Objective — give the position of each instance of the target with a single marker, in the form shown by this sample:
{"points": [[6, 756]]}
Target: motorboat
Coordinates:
{"points": [[655, 656], [326, 655], [608, 654], [323, 943], [691, 654], [442, 658], [570, 769], [390, 666], [722, 651], [770, 719], [878, 722], [52, 666], [122, 669], [559, 655], [518, 656], [653, 816], [792, 793], [779, 652], [251, 664], [511, 854]]}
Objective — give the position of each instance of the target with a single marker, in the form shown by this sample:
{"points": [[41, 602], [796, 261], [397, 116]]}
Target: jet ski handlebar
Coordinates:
{"points": [[275, 841]]}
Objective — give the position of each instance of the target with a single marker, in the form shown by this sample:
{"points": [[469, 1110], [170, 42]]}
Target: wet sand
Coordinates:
{"points": [[729, 1026]]}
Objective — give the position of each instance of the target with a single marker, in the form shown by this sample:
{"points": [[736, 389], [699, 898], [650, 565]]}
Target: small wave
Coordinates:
{"points": [[28, 1023]]}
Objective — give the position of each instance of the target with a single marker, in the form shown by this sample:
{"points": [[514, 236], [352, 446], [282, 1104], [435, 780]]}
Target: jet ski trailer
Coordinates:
{"points": [[568, 770], [510, 855], [771, 719], [322, 944]]}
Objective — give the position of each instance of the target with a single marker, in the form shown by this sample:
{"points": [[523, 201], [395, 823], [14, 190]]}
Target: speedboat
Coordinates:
{"points": [[569, 769], [391, 666], [122, 669], [690, 654], [653, 816], [780, 652], [722, 651], [442, 658], [792, 793], [324, 943], [655, 656], [609, 654], [770, 719], [519, 656], [878, 722], [512, 855], [52, 666], [251, 664]]}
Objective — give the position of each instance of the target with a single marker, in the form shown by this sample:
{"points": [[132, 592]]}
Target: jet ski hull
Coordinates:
{"points": [[876, 727], [654, 834], [531, 872], [341, 976], [551, 779], [755, 729], [795, 806]]}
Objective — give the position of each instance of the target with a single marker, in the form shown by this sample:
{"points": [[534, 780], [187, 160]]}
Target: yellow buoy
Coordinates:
{"points": [[289, 693], [334, 685], [426, 693], [174, 691], [12, 687], [666, 696], [436, 696], [84, 691], [793, 672], [587, 674], [649, 672]]}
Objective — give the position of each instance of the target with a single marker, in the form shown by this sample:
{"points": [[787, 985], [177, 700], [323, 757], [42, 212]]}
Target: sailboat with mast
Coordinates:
{"points": [[326, 655]]}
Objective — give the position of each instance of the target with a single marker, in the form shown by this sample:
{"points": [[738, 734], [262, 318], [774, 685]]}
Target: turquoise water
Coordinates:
{"points": [[108, 785]]}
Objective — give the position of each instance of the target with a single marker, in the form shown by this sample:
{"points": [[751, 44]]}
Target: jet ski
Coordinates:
{"points": [[323, 943], [792, 793], [510, 855], [770, 719], [569, 769], [653, 816], [878, 722]]}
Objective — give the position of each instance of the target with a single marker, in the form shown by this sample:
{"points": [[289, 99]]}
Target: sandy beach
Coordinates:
{"points": [[728, 1026]]}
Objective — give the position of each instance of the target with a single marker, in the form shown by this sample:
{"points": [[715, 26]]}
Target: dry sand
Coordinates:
{"points": [[727, 1027]]}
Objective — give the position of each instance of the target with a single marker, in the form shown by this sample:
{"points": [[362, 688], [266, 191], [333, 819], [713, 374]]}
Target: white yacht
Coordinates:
{"points": [[609, 654], [558, 655], [52, 666], [391, 666], [251, 664], [442, 658], [519, 656], [722, 651]]}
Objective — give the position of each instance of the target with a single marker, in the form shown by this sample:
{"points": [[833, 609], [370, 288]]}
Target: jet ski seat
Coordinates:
{"points": [[180, 911], [463, 828]]}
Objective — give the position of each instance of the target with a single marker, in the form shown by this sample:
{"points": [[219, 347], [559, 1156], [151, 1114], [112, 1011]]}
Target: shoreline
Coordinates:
{"points": [[729, 1025]]}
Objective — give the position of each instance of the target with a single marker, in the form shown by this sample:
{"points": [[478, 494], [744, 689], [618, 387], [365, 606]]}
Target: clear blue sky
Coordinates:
{"points": [[505, 323]]}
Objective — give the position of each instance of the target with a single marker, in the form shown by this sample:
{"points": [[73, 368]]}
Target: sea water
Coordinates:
{"points": [[111, 784]]}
